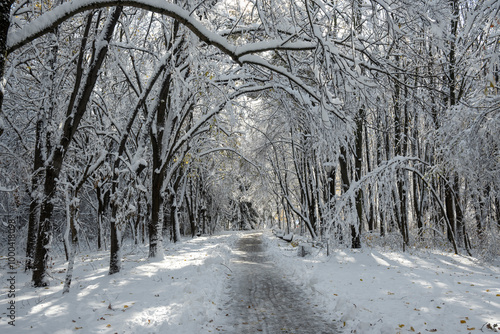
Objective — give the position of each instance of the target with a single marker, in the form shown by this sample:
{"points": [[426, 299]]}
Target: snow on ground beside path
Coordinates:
{"points": [[376, 291], [178, 294]]}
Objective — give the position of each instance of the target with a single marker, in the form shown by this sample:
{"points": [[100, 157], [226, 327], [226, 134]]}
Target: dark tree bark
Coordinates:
{"points": [[34, 203], [400, 149], [46, 112], [497, 210], [190, 197], [380, 155], [102, 204], [4, 30], [346, 183], [158, 177], [371, 213], [358, 163]]}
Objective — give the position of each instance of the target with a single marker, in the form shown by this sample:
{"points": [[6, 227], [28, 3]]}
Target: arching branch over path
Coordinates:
{"points": [[239, 54]]}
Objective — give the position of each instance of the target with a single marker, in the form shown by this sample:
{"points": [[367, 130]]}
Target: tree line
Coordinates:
{"points": [[343, 119]]}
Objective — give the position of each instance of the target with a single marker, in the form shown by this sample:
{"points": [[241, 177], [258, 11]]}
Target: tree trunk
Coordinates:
{"points": [[358, 162], [344, 175], [156, 223], [73, 227], [102, 203], [459, 216], [34, 213], [452, 101], [497, 210], [137, 222], [450, 211], [115, 256], [158, 177], [47, 110], [380, 155], [371, 215], [45, 229], [177, 224], [4, 30], [190, 209]]}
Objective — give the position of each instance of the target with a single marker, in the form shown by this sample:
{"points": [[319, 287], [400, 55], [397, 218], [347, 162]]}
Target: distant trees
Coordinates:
{"points": [[403, 76]]}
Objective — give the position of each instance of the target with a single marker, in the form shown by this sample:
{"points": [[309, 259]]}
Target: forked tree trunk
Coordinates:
{"points": [[75, 112]]}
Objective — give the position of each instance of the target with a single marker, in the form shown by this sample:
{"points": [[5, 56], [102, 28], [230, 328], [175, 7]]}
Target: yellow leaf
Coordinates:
{"points": [[471, 328], [463, 321], [498, 294], [125, 306], [412, 329], [108, 325], [401, 326]]}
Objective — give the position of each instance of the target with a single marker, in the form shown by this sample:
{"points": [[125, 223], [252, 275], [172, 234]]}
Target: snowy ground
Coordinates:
{"points": [[376, 291], [176, 295], [366, 291]]}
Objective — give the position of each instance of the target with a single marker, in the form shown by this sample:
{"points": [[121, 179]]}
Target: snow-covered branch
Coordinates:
{"points": [[240, 54]]}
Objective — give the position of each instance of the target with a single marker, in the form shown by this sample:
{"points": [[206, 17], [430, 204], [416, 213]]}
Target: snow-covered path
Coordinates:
{"points": [[248, 282], [261, 299]]}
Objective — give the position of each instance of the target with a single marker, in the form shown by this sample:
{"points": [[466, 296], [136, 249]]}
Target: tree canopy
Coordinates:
{"points": [[352, 122]]}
